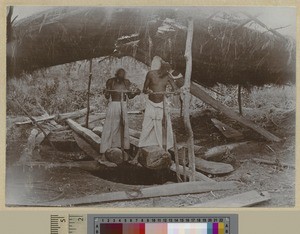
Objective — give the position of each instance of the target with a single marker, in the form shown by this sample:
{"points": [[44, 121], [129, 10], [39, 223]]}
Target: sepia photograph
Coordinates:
{"points": [[150, 106]]}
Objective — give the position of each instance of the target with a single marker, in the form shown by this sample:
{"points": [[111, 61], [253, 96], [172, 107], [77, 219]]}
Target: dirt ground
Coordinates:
{"points": [[26, 185]]}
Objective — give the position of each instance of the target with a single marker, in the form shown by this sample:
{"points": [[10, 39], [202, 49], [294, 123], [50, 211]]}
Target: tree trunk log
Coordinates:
{"points": [[87, 134]]}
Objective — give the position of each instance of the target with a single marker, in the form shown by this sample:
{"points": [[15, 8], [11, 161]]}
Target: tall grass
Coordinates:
{"points": [[63, 88]]}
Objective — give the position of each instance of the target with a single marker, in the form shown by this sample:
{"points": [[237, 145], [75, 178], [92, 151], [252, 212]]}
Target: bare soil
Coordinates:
{"points": [[26, 185]]}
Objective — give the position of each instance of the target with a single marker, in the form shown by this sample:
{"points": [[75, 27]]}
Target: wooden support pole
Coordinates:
{"points": [[88, 95], [176, 158], [198, 176], [200, 93], [240, 99], [187, 98]]}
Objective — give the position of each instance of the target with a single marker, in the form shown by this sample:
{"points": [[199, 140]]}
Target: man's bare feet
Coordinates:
{"points": [[102, 160], [107, 163]]}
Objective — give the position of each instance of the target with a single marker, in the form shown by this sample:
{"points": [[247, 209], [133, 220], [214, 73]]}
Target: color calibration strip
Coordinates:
{"points": [[161, 228]]}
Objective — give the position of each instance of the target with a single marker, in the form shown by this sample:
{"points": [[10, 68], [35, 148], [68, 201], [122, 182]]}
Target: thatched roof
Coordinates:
{"points": [[225, 49]]}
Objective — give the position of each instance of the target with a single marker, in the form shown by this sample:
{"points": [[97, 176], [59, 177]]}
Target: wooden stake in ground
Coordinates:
{"points": [[240, 99], [164, 125], [187, 98], [176, 158], [122, 125], [88, 95], [36, 123]]}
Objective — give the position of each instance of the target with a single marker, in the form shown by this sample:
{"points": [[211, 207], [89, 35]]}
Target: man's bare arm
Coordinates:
{"points": [[172, 83], [135, 92], [146, 84], [108, 87]]}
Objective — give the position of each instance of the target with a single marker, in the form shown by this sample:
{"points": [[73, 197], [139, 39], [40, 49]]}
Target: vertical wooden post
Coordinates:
{"points": [[122, 125], [164, 125], [88, 95], [187, 98], [240, 99]]}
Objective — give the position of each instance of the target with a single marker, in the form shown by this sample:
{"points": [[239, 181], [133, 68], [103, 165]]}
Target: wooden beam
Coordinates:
{"points": [[274, 163], [239, 200], [75, 114], [36, 119], [199, 92], [84, 165], [86, 147], [227, 131], [214, 168], [87, 134], [217, 152], [187, 98], [155, 191]]}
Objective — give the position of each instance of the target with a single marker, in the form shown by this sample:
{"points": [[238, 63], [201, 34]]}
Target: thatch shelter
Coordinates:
{"points": [[226, 49]]}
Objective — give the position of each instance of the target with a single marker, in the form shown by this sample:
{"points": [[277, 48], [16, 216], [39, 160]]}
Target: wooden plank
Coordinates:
{"points": [[216, 153], [36, 119], [214, 168], [209, 167], [200, 93], [95, 117], [84, 165], [198, 176], [87, 134], [227, 131], [75, 114], [86, 147], [275, 163], [239, 200], [155, 191]]}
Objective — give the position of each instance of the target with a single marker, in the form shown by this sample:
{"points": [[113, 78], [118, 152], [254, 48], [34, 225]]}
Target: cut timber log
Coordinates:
{"points": [[41, 137], [86, 147], [216, 153], [115, 155], [155, 191], [199, 92], [275, 163], [228, 132], [87, 134], [75, 114], [63, 140], [37, 119], [95, 117], [214, 168], [198, 175], [154, 157], [239, 200], [27, 152], [84, 165], [208, 167]]}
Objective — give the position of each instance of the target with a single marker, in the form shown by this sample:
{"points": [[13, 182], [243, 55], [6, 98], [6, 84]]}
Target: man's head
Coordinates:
{"points": [[120, 73]]}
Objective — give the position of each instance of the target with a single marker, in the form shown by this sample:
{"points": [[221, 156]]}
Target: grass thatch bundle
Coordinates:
{"points": [[226, 48]]}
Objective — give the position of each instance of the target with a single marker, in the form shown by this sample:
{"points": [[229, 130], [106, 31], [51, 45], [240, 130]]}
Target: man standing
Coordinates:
{"points": [[155, 113], [115, 130]]}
